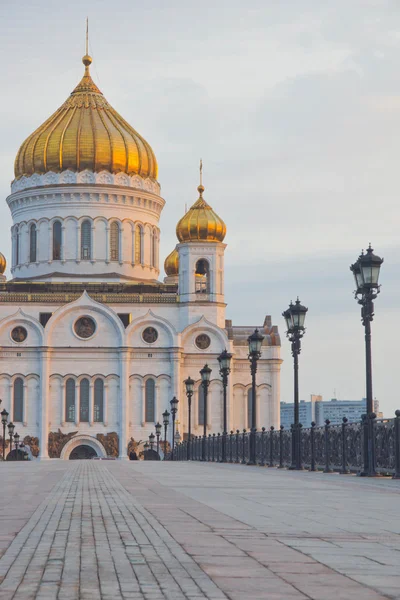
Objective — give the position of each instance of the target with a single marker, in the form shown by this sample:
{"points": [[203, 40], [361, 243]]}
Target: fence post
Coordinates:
{"points": [[397, 445], [271, 446], [231, 446], [327, 448], [312, 443], [213, 448], [243, 447], [371, 445], [237, 445], [281, 447], [262, 463], [345, 470]]}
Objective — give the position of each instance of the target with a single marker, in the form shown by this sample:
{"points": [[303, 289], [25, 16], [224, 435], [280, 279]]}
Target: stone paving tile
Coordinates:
{"points": [[153, 531]]}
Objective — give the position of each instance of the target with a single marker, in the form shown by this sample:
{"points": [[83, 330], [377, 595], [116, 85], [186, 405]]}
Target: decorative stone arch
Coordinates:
{"points": [[21, 318], [151, 319], [203, 325], [83, 440]]}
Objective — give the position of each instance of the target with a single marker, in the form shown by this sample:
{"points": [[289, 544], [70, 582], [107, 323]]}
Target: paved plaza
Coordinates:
{"points": [[90, 529]]}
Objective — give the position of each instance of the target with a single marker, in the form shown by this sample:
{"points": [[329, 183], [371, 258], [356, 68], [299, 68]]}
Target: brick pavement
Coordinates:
{"points": [[190, 531]]}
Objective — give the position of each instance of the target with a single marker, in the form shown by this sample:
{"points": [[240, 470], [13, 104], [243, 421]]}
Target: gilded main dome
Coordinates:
{"points": [[86, 133], [171, 264], [201, 223]]}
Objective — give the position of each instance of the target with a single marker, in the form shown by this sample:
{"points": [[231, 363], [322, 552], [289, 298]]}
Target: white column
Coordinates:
{"points": [[124, 399], [275, 410], [50, 250], [91, 403], [157, 403], [62, 403], [25, 404], [78, 242], [63, 240], [108, 257], [44, 407], [105, 405]]}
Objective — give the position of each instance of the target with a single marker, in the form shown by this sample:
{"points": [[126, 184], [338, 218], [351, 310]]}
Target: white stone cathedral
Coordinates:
{"points": [[93, 346]]}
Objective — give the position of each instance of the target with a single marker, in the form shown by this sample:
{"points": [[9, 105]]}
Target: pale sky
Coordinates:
{"points": [[294, 107]]}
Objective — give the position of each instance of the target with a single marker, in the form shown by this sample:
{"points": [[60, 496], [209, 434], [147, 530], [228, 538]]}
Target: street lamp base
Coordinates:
{"points": [[366, 474]]}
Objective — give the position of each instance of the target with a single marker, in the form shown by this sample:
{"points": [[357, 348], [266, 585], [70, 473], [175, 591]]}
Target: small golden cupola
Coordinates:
{"points": [[86, 133], [201, 223], [171, 264], [3, 263]]}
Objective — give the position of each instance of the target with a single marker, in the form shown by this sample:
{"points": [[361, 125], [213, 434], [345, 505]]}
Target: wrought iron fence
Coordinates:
{"points": [[330, 448]]}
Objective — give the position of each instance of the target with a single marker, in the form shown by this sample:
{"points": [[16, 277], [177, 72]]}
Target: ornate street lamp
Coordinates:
{"points": [[224, 360], [11, 428], [166, 423], [151, 440], [4, 419], [295, 317], [189, 383], [205, 382], [174, 410], [366, 272], [16, 442], [158, 427], [255, 341]]}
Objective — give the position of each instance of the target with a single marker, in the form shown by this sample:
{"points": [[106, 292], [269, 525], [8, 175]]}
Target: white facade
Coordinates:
{"points": [[74, 320]]}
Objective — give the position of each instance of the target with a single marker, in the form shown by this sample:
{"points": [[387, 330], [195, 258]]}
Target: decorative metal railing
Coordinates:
{"points": [[340, 448]]}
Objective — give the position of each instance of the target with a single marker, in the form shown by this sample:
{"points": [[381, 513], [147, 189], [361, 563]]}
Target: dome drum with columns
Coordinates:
{"points": [[94, 346]]}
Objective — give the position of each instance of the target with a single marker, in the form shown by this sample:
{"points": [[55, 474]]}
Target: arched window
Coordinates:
{"points": [[138, 245], [249, 407], [98, 401], [57, 240], [84, 401], [202, 279], [150, 409], [201, 405], [86, 240], [70, 401], [32, 243], [18, 400], [114, 241], [16, 246]]}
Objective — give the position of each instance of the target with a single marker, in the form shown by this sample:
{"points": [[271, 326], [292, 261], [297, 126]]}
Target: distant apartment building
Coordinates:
{"points": [[318, 411]]}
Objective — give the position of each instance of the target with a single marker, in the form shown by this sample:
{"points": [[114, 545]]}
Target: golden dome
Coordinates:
{"points": [[201, 223], [171, 264], [86, 133], [3, 263]]}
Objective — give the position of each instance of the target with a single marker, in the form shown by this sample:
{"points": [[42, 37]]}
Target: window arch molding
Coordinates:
{"points": [[202, 276], [17, 243]]}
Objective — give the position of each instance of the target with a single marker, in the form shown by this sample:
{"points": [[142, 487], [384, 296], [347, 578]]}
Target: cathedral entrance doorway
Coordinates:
{"points": [[82, 453]]}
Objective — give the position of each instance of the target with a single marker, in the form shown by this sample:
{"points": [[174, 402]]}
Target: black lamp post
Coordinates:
{"points": [[158, 427], [151, 440], [174, 410], [224, 360], [189, 383], [166, 423], [366, 276], [4, 419], [11, 428], [205, 382], [16, 442], [295, 317], [255, 341]]}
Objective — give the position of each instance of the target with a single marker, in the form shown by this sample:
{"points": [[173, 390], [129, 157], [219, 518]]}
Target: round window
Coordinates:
{"points": [[19, 334], [203, 341], [150, 335], [85, 327]]}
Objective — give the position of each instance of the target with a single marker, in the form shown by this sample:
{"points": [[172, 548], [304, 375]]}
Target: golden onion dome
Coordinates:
{"points": [[3, 263], [86, 133], [201, 223], [171, 264]]}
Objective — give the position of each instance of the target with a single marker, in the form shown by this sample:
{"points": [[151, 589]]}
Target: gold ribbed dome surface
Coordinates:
{"points": [[86, 133], [3, 263], [201, 223], [171, 264]]}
